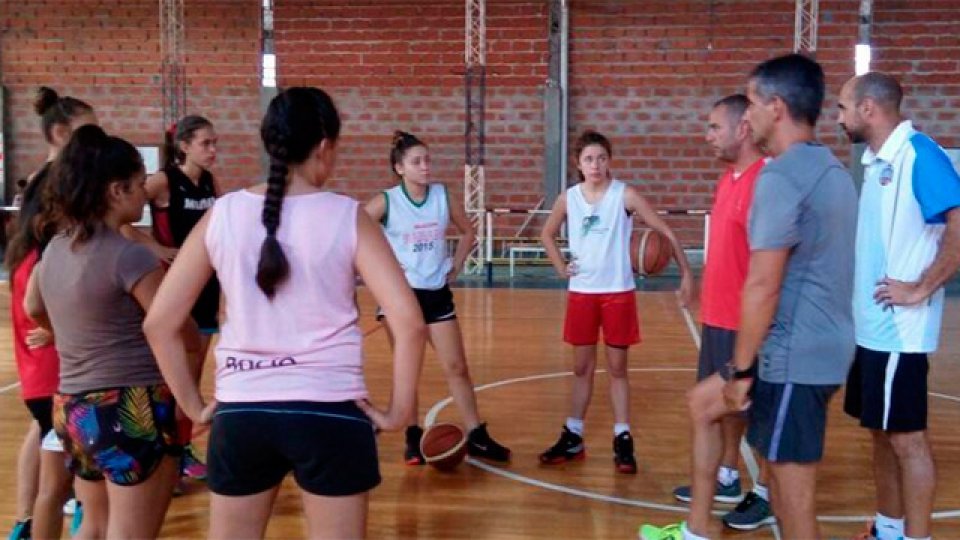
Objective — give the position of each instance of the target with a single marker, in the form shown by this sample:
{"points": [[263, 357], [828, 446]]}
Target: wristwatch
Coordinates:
{"points": [[740, 374]]}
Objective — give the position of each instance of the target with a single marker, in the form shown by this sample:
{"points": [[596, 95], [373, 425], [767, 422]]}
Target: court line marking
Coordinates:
{"points": [[579, 492], [944, 396], [434, 411], [691, 324], [431, 416], [9, 387]]}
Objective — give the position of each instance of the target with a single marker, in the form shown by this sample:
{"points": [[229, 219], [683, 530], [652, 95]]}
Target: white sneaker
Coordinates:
{"points": [[70, 508]]}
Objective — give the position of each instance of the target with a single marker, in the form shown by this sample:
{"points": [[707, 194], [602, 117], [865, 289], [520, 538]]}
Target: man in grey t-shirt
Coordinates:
{"points": [[805, 202], [796, 304]]}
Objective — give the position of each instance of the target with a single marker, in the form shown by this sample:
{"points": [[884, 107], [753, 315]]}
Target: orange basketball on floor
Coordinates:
{"points": [[652, 248], [444, 446]]}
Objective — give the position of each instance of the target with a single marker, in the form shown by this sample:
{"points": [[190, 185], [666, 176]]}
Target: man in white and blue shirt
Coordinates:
{"points": [[907, 247]]}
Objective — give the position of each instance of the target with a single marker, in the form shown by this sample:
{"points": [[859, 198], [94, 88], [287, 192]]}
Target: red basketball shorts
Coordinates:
{"points": [[615, 313]]}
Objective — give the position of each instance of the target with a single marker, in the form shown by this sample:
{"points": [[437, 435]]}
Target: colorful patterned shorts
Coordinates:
{"points": [[118, 433]]}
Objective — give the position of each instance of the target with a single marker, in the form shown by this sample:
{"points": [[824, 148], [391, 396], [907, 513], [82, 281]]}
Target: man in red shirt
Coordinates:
{"points": [[716, 434]]}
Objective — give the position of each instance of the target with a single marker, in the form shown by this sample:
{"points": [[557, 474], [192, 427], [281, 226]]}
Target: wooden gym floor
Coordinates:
{"points": [[520, 365]]}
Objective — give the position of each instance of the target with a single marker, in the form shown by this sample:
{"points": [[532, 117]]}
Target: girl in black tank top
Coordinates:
{"points": [[180, 194], [188, 202]]}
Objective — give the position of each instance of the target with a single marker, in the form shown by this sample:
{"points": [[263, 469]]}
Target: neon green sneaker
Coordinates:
{"points": [[670, 532]]}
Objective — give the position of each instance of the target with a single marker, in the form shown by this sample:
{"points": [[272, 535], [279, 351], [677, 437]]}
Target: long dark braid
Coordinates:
{"points": [[273, 267], [297, 120]]}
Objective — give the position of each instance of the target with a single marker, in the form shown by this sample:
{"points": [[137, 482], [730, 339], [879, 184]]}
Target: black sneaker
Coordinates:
{"points": [[481, 444], [752, 513], [411, 450], [569, 447], [623, 453]]}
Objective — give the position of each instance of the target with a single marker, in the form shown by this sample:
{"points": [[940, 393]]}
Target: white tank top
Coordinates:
{"points": [[417, 234], [600, 241]]}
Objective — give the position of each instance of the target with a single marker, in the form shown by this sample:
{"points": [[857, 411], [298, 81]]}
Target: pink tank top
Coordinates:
{"points": [[305, 343]]}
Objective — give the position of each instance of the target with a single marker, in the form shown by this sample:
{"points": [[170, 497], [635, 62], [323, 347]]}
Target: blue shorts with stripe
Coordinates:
{"points": [[788, 421]]}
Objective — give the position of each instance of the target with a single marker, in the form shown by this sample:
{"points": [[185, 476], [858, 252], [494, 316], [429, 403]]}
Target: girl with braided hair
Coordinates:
{"points": [[290, 393]]}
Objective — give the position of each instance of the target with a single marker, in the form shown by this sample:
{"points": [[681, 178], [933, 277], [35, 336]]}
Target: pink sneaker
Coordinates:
{"points": [[191, 466]]}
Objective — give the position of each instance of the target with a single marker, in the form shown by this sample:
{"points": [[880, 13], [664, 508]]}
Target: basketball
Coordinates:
{"points": [[652, 248], [444, 446]]}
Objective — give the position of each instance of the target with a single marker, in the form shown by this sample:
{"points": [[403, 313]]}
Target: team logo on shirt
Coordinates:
{"points": [[588, 224], [199, 204], [886, 175]]}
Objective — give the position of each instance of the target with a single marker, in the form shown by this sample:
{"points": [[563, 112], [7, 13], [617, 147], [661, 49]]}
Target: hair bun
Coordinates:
{"points": [[399, 136], [46, 97]]}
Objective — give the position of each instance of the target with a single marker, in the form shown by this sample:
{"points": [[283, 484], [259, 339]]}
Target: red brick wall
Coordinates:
{"points": [[919, 41], [399, 65], [640, 72], [644, 72], [108, 54]]}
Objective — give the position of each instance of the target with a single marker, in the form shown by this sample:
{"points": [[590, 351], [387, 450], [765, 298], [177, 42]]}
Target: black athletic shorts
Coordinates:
{"points": [[330, 448], [436, 305], [888, 390], [42, 411], [716, 352]]}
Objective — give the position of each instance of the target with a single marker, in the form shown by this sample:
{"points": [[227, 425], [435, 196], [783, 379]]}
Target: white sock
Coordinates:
{"points": [[888, 528], [619, 428], [575, 425], [761, 491], [727, 476], [912, 538], [687, 535]]}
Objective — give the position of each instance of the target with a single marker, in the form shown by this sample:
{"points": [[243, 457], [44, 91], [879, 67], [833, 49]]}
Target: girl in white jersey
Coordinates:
{"points": [[290, 392], [415, 215], [599, 215]]}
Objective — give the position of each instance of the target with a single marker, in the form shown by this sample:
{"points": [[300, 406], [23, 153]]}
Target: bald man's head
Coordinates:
{"points": [[882, 88], [867, 101]]}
